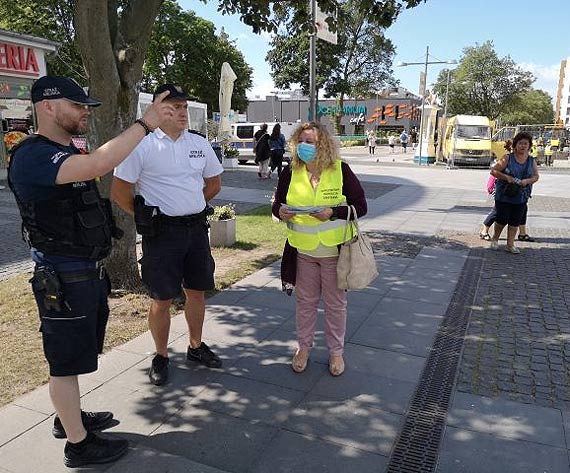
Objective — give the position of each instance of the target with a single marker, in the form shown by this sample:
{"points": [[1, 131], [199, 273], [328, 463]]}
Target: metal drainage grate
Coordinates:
{"points": [[416, 450]]}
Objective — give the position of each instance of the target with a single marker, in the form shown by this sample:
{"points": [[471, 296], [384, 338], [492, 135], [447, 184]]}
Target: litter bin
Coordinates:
{"points": [[217, 147]]}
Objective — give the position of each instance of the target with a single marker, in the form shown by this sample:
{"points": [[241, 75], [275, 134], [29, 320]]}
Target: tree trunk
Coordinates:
{"points": [[113, 49]]}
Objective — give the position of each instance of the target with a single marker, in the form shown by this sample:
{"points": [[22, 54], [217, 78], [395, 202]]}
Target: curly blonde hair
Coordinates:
{"points": [[327, 148]]}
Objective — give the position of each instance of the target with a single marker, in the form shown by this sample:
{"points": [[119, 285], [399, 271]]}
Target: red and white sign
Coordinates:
{"points": [[20, 60], [23, 56]]}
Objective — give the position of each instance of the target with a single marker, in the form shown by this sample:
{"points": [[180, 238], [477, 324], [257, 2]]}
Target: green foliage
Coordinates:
{"points": [[49, 19], [359, 64], [351, 143], [230, 152], [532, 107], [223, 212], [185, 50], [483, 83], [268, 15]]}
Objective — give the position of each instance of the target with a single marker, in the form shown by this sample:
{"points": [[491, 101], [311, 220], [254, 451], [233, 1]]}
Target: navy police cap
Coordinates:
{"points": [[59, 87], [176, 92]]}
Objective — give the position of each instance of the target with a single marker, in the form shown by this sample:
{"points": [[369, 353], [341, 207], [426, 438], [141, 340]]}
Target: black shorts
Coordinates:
{"points": [[74, 336], [178, 257], [511, 214]]}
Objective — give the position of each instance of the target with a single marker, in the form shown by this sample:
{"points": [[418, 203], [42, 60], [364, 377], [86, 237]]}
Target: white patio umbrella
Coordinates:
{"points": [[227, 80]]}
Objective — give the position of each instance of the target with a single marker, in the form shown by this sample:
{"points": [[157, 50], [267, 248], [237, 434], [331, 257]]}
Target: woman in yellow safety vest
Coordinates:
{"points": [[312, 197]]}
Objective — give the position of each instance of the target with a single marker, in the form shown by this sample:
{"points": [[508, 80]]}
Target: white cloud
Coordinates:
{"points": [[546, 76]]}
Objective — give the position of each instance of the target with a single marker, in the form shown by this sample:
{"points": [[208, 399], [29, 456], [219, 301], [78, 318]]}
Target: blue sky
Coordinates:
{"points": [[534, 34]]}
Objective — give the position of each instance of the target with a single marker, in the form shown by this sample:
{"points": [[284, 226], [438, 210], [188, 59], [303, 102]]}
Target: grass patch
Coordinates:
{"points": [[259, 242]]}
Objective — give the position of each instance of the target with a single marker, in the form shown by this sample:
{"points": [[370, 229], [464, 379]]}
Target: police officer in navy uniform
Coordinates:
{"points": [[69, 229], [174, 173]]}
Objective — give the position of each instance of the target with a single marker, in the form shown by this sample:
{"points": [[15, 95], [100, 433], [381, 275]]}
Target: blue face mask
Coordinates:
{"points": [[306, 152]]}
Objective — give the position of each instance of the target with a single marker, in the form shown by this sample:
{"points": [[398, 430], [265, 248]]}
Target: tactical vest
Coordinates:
{"points": [[75, 222], [304, 231]]}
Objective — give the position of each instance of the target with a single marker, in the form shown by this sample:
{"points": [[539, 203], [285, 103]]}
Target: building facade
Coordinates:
{"points": [[563, 94], [22, 60], [393, 110]]}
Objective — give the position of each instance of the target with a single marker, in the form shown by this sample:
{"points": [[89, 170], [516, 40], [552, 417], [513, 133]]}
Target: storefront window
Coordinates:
{"points": [[15, 112]]}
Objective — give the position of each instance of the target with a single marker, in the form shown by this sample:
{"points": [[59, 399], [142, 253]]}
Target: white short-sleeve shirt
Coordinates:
{"points": [[170, 174]]}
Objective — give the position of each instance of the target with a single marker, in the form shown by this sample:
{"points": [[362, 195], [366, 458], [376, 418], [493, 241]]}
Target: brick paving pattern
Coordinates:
{"points": [[15, 255], [518, 342]]}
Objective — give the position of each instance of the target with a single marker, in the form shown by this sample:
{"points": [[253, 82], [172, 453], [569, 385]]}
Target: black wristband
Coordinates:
{"points": [[142, 123]]}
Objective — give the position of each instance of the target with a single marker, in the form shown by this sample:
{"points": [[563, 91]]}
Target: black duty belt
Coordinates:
{"points": [[186, 220], [83, 275]]}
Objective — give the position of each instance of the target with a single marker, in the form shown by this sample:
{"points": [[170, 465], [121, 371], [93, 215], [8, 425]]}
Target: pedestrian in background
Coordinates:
{"points": [[69, 228], [371, 138], [277, 147], [516, 173], [316, 178], [391, 142], [174, 173], [262, 151], [404, 140], [414, 137]]}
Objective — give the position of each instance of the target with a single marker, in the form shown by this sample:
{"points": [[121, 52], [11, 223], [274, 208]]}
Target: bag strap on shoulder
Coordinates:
{"points": [[352, 224]]}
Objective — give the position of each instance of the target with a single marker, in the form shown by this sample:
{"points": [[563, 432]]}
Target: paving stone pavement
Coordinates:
{"points": [[517, 344], [15, 255], [256, 415]]}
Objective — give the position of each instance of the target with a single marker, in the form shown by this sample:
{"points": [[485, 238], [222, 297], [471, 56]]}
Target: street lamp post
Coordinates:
{"points": [[423, 92], [446, 93], [312, 63]]}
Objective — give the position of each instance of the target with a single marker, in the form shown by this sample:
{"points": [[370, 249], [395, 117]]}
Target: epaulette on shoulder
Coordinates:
{"points": [[197, 133]]}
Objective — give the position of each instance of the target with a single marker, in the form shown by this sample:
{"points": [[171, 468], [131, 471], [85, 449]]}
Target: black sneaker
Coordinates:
{"points": [[158, 372], [92, 421], [94, 450], [204, 355]]}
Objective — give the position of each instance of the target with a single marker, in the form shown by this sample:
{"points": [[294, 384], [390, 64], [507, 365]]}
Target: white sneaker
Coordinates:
{"points": [[494, 245], [512, 249]]}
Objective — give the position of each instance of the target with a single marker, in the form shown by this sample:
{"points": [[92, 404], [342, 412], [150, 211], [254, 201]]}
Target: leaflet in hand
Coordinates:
{"points": [[303, 210]]}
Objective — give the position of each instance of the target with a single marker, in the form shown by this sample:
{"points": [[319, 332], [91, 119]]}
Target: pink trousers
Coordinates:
{"points": [[316, 277]]}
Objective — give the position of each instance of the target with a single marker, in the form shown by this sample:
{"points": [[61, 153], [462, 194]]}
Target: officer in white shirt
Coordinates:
{"points": [[166, 183]]}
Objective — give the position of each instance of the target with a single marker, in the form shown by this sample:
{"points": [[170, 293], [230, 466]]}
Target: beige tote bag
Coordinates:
{"points": [[356, 267]]}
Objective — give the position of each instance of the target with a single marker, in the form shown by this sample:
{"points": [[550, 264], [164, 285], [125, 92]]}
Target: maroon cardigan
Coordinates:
{"points": [[354, 193]]}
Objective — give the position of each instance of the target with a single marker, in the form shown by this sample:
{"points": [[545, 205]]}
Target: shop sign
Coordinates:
{"points": [[347, 109], [18, 59]]}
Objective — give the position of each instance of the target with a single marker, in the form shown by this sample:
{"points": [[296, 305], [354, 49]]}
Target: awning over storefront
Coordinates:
{"points": [[22, 60]]}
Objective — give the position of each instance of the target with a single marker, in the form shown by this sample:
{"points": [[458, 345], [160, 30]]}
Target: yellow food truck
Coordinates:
{"points": [[467, 141]]}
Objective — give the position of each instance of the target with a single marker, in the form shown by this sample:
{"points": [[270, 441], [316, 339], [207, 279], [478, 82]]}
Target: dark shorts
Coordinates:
{"points": [[511, 214], [178, 257], [73, 337]]}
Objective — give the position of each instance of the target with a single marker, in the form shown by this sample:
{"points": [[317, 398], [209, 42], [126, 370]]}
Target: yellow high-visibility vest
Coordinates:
{"points": [[304, 231]]}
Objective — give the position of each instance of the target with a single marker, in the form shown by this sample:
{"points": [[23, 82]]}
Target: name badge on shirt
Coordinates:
{"points": [[196, 154]]}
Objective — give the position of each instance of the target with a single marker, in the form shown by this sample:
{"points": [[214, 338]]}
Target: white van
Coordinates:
{"points": [[243, 134], [197, 112]]}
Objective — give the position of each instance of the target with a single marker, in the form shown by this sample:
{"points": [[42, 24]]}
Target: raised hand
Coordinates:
{"points": [[160, 111]]}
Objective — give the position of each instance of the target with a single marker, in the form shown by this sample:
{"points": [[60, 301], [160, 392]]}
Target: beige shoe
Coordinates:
{"points": [[336, 365], [300, 360]]}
